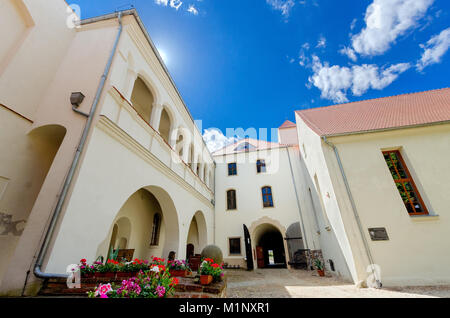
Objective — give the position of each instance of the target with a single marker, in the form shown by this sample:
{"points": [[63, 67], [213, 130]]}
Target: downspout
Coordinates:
{"points": [[44, 247], [355, 211], [298, 200]]}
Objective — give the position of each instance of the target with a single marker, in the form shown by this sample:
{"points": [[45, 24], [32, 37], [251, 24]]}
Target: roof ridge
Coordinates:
{"points": [[371, 99]]}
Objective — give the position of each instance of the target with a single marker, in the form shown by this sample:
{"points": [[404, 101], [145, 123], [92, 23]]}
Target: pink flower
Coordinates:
{"points": [[102, 290], [161, 291]]}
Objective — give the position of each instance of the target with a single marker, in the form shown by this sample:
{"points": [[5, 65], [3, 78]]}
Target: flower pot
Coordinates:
{"points": [[87, 275], [206, 279], [178, 273], [321, 272], [124, 274], [105, 275]]}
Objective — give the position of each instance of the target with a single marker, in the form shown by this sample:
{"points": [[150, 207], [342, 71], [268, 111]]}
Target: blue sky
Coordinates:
{"points": [[252, 63]]}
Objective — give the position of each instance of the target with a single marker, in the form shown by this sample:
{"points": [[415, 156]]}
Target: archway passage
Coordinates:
{"points": [[146, 225], [296, 249], [270, 251]]}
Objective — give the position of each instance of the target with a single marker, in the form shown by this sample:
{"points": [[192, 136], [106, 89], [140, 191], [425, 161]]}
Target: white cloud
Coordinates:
{"points": [[162, 2], [192, 10], [386, 20], [334, 81], [322, 42], [434, 49], [176, 4], [353, 24], [284, 6], [349, 52], [216, 140]]}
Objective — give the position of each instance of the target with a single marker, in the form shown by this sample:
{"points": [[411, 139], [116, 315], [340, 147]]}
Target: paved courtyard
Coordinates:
{"points": [[282, 283]]}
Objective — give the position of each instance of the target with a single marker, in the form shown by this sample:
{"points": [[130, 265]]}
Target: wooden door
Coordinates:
{"points": [[260, 256]]}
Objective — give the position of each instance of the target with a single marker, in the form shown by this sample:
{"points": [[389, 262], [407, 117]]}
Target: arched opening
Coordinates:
{"points": [[197, 235], [142, 99], [296, 247], [270, 251], [146, 225], [205, 173], [191, 156], [164, 125], [179, 146]]}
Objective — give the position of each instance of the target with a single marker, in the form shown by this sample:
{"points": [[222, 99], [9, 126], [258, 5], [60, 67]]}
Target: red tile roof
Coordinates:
{"points": [[381, 113], [287, 124], [257, 144]]}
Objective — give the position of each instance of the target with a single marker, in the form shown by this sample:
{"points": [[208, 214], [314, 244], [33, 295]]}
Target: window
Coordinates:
{"points": [[267, 197], [235, 246], [261, 166], [231, 200], [155, 230], [404, 183], [244, 146], [232, 169]]}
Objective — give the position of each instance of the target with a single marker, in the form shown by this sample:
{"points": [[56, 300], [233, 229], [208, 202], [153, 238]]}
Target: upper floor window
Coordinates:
{"points": [[231, 200], [261, 166], [232, 169], [156, 229], [267, 197], [404, 183], [244, 146]]}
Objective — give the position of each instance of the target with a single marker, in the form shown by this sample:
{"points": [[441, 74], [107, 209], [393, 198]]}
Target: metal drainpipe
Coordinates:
{"points": [[298, 202], [44, 247], [355, 211]]}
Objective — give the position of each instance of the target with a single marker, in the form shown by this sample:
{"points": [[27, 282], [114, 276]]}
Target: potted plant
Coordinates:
{"points": [[154, 283], [319, 266], [178, 268], [210, 271], [86, 270], [107, 270]]}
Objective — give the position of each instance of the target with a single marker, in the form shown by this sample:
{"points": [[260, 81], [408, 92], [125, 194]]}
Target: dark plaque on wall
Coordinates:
{"points": [[378, 234]]}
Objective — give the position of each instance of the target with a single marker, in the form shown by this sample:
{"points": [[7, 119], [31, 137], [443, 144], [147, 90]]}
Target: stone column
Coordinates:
{"points": [[155, 118]]}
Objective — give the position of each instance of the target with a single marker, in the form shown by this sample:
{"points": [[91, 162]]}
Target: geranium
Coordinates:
{"points": [[208, 267], [178, 265]]}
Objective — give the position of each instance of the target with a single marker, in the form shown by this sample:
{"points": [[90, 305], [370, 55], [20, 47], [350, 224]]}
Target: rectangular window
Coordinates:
{"points": [[404, 183], [231, 200], [261, 166], [267, 197], [232, 169], [235, 246]]}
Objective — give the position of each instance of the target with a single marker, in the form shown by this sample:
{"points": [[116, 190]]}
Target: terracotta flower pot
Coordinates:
{"points": [[178, 273], [87, 275], [206, 279], [321, 272], [124, 274], [105, 275]]}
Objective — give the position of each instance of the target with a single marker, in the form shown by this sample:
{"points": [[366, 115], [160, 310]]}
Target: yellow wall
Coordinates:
{"points": [[417, 251]]}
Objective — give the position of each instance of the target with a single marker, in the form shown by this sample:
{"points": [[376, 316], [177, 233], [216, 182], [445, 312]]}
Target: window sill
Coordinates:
{"points": [[424, 218]]}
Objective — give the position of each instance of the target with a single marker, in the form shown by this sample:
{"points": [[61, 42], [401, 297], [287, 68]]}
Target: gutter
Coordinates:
{"points": [[298, 201], [62, 196], [355, 211]]}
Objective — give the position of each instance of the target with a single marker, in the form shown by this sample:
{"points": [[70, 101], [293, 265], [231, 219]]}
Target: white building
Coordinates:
{"points": [[126, 167]]}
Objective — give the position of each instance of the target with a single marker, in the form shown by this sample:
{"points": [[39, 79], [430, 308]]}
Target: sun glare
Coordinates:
{"points": [[163, 55]]}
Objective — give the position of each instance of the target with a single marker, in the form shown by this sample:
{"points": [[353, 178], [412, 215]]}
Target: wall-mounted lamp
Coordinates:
{"points": [[76, 98]]}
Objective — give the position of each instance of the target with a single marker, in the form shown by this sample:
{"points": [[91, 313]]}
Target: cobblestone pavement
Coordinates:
{"points": [[282, 283]]}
